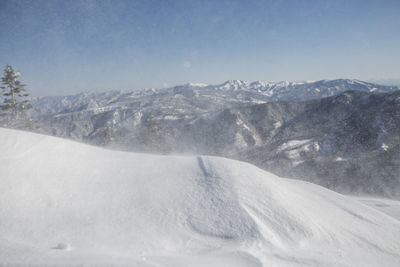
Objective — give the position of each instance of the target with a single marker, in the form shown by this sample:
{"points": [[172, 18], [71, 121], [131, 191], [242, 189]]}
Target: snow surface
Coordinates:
{"points": [[63, 202], [389, 206]]}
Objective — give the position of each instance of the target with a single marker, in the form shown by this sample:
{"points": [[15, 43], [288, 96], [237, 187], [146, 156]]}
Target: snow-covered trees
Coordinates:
{"points": [[108, 135], [15, 103]]}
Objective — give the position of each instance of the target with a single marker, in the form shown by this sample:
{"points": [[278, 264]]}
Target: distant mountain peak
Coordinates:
{"points": [[191, 84], [234, 84]]}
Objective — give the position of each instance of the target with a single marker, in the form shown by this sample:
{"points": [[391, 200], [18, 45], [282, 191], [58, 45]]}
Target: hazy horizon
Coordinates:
{"points": [[395, 83]]}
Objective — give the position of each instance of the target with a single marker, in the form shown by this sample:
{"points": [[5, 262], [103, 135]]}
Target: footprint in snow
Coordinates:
{"points": [[62, 246]]}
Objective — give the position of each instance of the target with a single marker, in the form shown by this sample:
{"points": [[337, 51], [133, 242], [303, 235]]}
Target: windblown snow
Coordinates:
{"points": [[63, 202]]}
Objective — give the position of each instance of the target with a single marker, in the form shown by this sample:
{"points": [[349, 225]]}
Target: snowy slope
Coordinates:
{"points": [[65, 202], [389, 206]]}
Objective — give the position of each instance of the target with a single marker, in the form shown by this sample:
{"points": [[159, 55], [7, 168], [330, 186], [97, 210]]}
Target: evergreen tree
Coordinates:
{"points": [[15, 103]]}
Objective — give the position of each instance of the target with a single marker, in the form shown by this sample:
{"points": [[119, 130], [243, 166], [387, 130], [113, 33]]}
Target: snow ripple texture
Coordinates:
{"points": [[63, 202]]}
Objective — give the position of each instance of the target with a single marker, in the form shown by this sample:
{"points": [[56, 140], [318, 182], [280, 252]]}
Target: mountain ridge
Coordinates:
{"points": [[298, 138]]}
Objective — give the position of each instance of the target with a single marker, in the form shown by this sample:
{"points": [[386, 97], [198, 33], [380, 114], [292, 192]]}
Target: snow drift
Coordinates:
{"points": [[65, 202]]}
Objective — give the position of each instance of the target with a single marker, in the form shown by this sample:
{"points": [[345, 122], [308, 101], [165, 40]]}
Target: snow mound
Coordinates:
{"points": [[145, 210]]}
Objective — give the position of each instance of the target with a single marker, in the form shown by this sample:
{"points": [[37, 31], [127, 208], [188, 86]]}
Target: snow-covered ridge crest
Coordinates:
{"points": [[73, 203], [242, 85], [227, 94]]}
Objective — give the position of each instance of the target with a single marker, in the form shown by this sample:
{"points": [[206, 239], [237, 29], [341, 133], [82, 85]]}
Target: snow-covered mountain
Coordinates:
{"points": [[66, 203], [197, 98], [87, 115], [348, 141]]}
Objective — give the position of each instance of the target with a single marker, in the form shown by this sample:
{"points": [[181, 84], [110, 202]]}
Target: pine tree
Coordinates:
{"points": [[15, 104]]}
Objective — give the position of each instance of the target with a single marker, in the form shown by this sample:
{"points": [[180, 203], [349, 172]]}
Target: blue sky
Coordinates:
{"points": [[69, 46]]}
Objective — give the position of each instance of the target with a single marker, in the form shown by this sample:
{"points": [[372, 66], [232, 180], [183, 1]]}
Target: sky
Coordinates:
{"points": [[70, 46]]}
